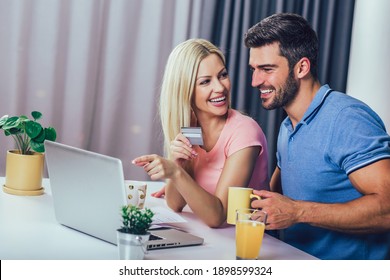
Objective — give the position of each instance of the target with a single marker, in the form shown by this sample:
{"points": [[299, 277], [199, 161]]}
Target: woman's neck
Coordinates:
{"points": [[211, 129]]}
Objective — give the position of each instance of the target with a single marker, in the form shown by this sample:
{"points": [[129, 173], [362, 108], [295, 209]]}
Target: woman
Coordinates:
{"points": [[196, 92]]}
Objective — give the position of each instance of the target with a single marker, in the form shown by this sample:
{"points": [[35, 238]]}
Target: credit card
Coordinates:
{"points": [[193, 134]]}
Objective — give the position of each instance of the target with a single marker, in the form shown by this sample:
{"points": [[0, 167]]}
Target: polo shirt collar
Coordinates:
{"points": [[318, 100]]}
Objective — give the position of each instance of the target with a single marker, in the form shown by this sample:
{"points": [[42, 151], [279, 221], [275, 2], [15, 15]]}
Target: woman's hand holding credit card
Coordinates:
{"points": [[193, 134]]}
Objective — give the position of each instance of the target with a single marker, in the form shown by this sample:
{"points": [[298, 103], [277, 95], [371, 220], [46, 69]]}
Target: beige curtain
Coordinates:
{"points": [[93, 68]]}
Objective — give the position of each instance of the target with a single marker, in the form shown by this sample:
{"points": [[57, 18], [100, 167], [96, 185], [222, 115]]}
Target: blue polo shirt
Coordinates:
{"points": [[337, 135]]}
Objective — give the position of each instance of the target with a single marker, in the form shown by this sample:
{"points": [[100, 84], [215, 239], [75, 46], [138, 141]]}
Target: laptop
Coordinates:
{"points": [[88, 190]]}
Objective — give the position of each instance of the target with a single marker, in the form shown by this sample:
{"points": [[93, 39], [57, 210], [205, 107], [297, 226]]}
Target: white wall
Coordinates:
{"points": [[369, 65]]}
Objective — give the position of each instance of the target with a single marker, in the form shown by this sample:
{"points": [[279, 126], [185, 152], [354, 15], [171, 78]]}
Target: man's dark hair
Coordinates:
{"points": [[294, 34]]}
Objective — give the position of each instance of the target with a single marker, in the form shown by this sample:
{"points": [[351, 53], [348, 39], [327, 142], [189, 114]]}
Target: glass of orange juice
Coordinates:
{"points": [[250, 226]]}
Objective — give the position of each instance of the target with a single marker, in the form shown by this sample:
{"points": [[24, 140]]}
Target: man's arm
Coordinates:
{"points": [[370, 213], [276, 182]]}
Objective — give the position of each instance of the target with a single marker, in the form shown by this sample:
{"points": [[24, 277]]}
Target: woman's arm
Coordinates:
{"points": [[174, 199], [181, 187], [212, 209]]}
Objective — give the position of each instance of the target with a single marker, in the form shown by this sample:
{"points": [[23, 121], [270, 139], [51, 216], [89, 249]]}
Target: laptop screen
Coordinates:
{"points": [[88, 191]]}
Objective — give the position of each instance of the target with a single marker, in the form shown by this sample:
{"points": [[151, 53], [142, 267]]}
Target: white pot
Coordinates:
{"points": [[132, 246]]}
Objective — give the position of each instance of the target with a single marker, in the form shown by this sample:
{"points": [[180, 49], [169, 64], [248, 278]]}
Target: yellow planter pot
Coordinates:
{"points": [[23, 173]]}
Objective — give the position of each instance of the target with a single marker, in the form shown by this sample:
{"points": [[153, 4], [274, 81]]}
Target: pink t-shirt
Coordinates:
{"points": [[239, 132]]}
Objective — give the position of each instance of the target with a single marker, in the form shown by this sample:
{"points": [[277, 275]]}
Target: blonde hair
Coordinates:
{"points": [[178, 86]]}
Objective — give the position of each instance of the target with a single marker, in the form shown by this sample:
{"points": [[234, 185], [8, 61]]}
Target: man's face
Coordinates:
{"points": [[272, 76]]}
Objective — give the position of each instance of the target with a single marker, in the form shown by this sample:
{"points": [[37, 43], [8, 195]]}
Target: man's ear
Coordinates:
{"points": [[302, 67]]}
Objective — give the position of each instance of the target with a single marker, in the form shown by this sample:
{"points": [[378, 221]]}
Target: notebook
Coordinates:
{"points": [[88, 190]]}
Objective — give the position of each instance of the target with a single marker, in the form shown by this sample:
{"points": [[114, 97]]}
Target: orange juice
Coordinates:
{"points": [[249, 236]]}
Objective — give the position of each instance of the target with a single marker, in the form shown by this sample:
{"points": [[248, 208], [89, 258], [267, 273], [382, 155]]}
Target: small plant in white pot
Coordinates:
{"points": [[134, 235], [24, 165]]}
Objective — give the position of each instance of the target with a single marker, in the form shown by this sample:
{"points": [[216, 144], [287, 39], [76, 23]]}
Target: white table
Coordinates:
{"points": [[29, 230]]}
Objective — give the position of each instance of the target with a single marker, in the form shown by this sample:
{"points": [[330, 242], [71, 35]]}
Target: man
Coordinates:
{"points": [[333, 152]]}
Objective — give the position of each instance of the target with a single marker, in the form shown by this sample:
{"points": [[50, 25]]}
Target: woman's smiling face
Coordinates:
{"points": [[212, 88]]}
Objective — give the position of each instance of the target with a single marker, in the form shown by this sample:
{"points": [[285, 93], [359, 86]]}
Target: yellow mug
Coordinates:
{"points": [[238, 198]]}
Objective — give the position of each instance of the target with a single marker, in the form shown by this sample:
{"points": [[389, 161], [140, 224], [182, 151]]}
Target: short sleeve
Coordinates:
{"points": [[245, 132], [359, 139]]}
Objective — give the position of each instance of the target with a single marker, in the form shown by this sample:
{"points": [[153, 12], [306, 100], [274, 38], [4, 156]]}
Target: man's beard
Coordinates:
{"points": [[285, 95]]}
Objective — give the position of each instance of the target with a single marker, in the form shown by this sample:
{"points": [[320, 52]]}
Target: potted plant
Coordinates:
{"points": [[133, 235], [24, 165]]}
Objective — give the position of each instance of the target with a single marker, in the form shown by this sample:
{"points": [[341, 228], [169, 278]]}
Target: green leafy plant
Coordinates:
{"points": [[27, 133], [135, 220]]}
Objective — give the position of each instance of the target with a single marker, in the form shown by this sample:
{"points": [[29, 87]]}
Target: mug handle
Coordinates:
{"points": [[253, 197], [141, 198], [256, 210]]}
